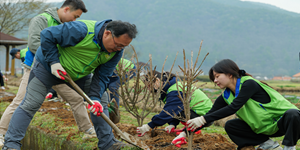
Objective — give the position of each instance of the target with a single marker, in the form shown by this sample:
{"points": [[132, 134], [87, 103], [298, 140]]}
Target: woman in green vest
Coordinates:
{"points": [[262, 112], [200, 105]]}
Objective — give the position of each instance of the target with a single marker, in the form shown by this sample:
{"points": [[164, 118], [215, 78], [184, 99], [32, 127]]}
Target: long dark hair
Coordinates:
{"points": [[228, 67]]}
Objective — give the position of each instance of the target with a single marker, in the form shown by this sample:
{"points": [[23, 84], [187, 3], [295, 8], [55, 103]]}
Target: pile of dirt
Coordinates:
{"points": [[161, 140], [157, 139], [7, 99]]}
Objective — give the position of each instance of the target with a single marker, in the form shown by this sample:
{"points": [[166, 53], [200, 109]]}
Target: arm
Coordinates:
{"points": [[172, 105], [36, 25], [248, 89], [100, 79], [67, 34]]}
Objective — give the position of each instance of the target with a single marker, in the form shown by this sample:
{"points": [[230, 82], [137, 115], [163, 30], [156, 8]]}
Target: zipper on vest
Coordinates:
{"points": [[94, 40]]}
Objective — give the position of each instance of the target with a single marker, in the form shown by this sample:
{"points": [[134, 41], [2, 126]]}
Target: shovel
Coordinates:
{"points": [[125, 136]]}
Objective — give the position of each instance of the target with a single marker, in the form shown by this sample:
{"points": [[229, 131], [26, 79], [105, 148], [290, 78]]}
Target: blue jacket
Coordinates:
{"points": [[70, 34], [172, 105], [29, 58]]}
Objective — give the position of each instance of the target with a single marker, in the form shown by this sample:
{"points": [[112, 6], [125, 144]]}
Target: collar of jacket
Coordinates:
{"points": [[99, 30], [163, 93]]}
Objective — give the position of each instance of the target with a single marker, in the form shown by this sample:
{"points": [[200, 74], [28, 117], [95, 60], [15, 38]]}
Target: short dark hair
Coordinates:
{"points": [[158, 75], [119, 28], [75, 5]]}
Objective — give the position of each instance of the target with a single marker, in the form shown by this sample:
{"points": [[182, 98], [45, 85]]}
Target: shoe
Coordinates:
{"points": [[118, 145], [289, 148], [55, 99], [247, 148], [2, 87], [1, 140], [269, 145], [89, 133], [7, 148]]}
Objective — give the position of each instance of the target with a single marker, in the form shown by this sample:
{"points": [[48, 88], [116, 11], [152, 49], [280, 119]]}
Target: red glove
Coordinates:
{"points": [[49, 96], [179, 140], [170, 128], [96, 109]]}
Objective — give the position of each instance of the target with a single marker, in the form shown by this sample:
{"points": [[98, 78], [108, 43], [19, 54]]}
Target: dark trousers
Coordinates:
{"points": [[1, 81], [242, 135], [113, 86]]}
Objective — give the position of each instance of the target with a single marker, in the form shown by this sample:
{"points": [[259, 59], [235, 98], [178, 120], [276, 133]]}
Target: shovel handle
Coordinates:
{"points": [[79, 90]]}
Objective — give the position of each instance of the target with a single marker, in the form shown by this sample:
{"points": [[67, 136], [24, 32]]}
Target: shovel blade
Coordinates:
{"points": [[134, 141]]}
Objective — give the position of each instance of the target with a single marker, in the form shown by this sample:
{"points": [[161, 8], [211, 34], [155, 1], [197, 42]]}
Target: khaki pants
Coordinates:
{"points": [[68, 94]]}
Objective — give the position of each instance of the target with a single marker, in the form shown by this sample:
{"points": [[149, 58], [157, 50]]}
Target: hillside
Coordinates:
{"points": [[261, 38]]}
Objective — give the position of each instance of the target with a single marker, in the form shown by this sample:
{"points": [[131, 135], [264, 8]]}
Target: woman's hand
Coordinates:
{"points": [[196, 123], [170, 128], [142, 130]]}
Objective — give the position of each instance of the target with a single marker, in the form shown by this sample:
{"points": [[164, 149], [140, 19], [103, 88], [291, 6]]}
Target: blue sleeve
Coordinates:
{"points": [[132, 72], [66, 34], [29, 58], [172, 105], [1, 74], [100, 79]]}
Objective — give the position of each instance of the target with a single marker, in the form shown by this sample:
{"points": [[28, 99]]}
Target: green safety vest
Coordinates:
{"points": [[127, 64], [262, 118], [83, 58], [23, 52], [51, 22], [200, 103]]}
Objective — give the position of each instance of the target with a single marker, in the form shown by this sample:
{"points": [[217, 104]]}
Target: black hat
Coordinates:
{"points": [[13, 52]]}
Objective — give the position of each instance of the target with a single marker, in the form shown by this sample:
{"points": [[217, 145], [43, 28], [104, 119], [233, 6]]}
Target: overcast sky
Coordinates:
{"points": [[289, 5]]}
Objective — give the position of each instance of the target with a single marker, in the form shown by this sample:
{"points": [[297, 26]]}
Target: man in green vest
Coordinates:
{"points": [[76, 48], [69, 11], [17, 53]]}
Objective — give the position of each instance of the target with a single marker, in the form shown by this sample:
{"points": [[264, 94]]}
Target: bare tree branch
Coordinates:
{"points": [[16, 14]]}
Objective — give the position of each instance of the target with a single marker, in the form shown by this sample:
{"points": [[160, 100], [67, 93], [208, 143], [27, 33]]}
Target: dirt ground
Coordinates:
{"points": [[157, 139], [161, 140]]}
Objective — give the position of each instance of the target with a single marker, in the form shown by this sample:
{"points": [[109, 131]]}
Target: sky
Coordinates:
{"points": [[289, 5]]}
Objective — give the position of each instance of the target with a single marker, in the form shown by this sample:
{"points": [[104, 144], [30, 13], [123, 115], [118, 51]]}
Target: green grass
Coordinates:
{"points": [[49, 123], [12, 89]]}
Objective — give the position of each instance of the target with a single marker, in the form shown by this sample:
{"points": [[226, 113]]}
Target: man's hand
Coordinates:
{"points": [[170, 128], [143, 129], [6, 79], [196, 123], [180, 139], [49, 95], [96, 109], [55, 68]]}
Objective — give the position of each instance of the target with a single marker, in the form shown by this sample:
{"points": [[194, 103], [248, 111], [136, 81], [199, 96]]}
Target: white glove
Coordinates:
{"points": [[169, 128], [143, 129], [196, 122], [55, 68], [180, 139]]}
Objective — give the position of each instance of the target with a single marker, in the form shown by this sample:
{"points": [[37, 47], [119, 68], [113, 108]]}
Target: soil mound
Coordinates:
{"points": [[161, 140]]}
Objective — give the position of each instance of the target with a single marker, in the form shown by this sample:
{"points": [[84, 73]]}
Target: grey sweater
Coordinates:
{"points": [[36, 25]]}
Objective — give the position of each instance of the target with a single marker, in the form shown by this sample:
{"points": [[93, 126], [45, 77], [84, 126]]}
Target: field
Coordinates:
{"points": [[61, 122]]}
